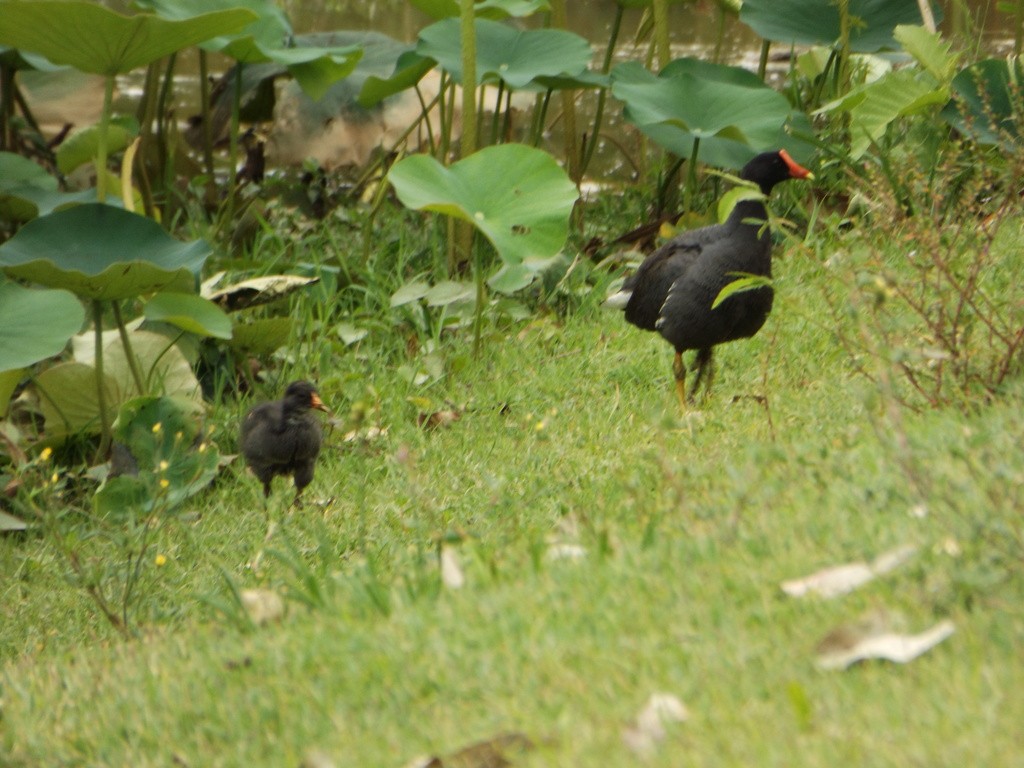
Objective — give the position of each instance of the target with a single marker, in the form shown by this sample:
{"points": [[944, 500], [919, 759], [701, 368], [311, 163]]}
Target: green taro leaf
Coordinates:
{"points": [[189, 312], [511, 278], [816, 22], [518, 57], [409, 293], [35, 324], [100, 252], [449, 292], [524, 215], [986, 102], [873, 107], [731, 112], [261, 336], [929, 50], [91, 38]]}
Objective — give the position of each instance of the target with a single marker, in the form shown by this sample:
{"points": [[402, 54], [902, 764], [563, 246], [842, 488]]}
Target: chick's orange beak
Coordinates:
{"points": [[316, 402], [796, 171]]}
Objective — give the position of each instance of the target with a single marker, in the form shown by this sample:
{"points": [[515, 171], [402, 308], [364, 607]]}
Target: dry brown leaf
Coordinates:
{"points": [[262, 605], [850, 644], [841, 579], [437, 419], [451, 571], [495, 752], [648, 729]]}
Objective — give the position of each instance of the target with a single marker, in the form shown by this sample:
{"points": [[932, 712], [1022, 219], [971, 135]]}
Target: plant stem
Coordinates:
{"points": [[660, 8], [6, 106], [101, 140], [129, 353], [691, 176], [927, 17], [101, 391], [481, 291], [496, 120], [560, 20], [606, 65], [236, 111], [467, 30], [204, 108], [762, 64]]}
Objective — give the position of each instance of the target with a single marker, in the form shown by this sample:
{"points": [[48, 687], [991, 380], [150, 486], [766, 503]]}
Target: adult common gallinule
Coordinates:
{"points": [[283, 438], [674, 288]]}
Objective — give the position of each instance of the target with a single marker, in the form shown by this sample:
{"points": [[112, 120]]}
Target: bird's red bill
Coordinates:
{"points": [[316, 402], [796, 170]]}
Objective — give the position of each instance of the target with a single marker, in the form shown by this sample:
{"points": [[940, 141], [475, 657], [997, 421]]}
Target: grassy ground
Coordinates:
{"points": [[569, 431]]}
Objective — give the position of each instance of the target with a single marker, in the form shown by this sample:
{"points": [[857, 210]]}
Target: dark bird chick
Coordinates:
{"points": [[283, 438], [673, 289]]}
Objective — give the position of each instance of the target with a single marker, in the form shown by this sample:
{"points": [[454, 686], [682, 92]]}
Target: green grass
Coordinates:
{"points": [[690, 523]]}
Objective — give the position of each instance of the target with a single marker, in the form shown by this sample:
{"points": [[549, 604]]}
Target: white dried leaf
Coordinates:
{"points": [[840, 579], [649, 728], [317, 758], [451, 572], [262, 605], [257, 290], [367, 435], [566, 551], [844, 647]]}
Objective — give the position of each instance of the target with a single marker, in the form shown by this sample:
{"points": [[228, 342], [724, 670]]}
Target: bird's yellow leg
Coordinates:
{"points": [[679, 369]]}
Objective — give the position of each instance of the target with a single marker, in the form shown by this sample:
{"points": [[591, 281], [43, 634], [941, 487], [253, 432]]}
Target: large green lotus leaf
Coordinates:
{"points": [[27, 190], [517, 57], [986, 101], [35, 324], [189, 312], [730, 110], [165, 369], [317, 69], [268, 27], [89, 37], [519, 197], [873, 107], [18, 170], [101, 252], [816, 22], [409, 70], [68, 400], [491, 9], [646, 3], [80, 147], [268, 38]]}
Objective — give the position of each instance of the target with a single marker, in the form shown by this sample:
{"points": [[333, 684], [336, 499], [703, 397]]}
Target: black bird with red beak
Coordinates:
{"points": [[673, 289], [283, 438]]}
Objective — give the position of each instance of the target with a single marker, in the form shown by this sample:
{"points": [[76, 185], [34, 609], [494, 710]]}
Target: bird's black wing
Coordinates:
{"points": [[654, 278]]}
